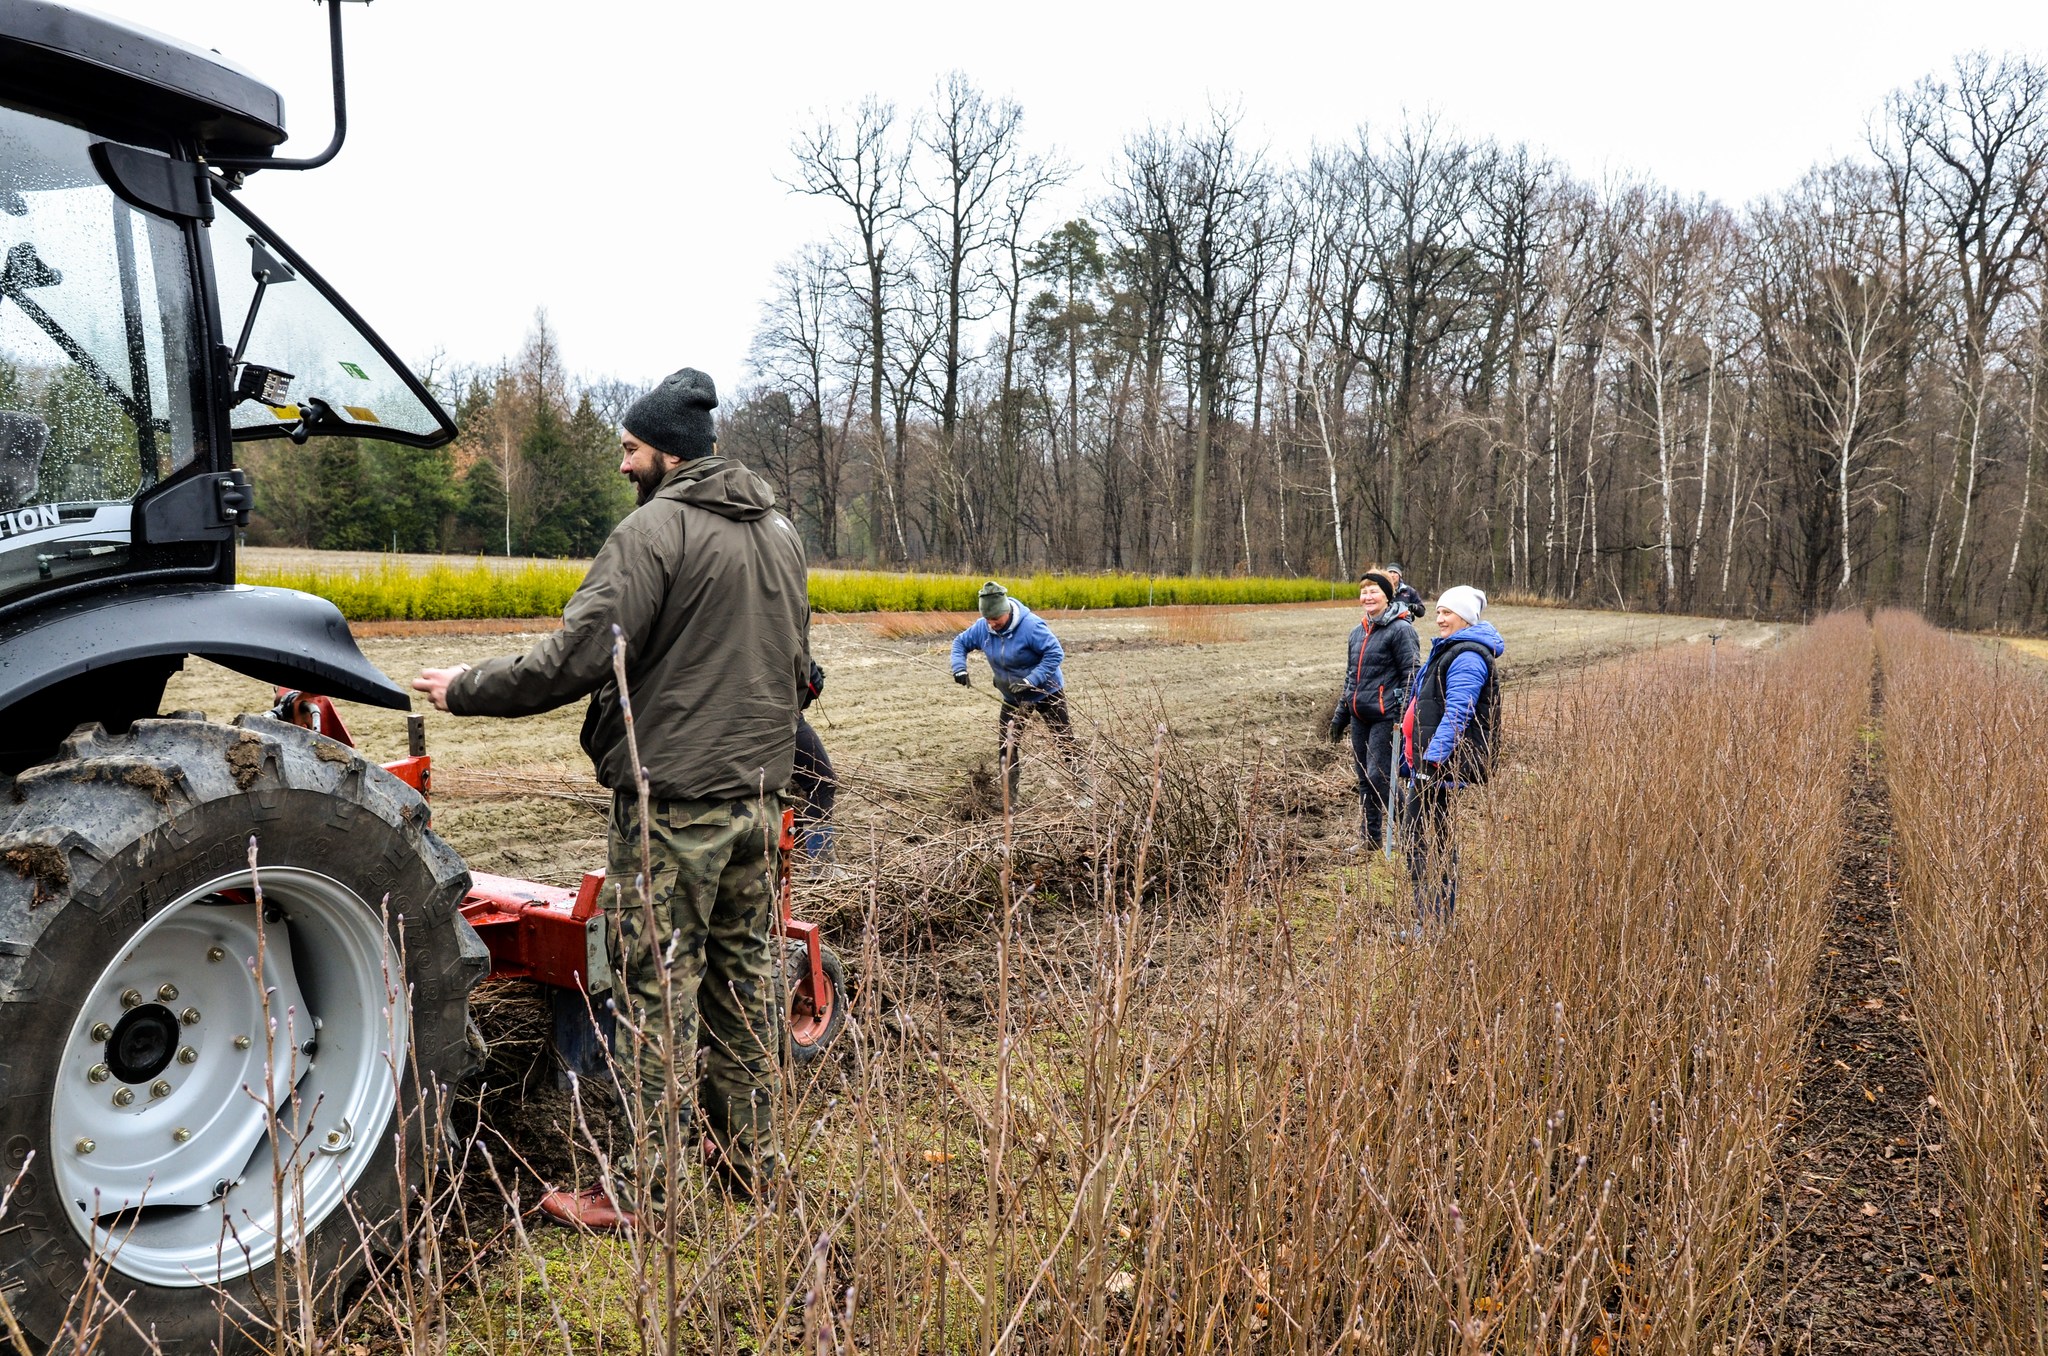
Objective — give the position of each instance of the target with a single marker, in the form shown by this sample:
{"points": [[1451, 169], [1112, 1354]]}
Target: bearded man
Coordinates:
{"points": [[707, 583]]}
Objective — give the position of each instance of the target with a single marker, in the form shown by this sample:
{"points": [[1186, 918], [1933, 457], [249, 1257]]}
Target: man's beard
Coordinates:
{"points": [[645, 483]]}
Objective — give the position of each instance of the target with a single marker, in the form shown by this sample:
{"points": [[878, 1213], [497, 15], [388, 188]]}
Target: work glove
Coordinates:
{"points": [[1338, 725], [1433, 770], [961, 678]]}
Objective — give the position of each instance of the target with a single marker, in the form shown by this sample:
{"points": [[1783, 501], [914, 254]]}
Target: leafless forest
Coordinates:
{"points": [[1417, 344]]}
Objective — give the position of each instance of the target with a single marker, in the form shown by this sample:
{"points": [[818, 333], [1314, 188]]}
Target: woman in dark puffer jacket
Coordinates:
{"points": [[1383, 657]]}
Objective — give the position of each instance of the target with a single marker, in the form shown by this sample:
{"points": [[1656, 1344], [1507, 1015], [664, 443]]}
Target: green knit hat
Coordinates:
{"points": [[994, 600]]}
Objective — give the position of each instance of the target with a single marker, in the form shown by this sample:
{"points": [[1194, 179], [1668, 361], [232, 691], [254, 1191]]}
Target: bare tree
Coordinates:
{"points": [[1826, 303], [863, 167], [1975, 153], [1667, 275], [1210, 200], [971, 143], [799, 348]]}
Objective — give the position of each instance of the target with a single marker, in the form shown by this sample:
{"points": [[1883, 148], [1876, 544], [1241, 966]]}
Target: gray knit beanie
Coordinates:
{"points": [[675, 417], [994, 600]]}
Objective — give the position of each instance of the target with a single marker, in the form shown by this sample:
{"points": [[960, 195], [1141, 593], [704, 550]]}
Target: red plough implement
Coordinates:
{"points": [[556, 936]]}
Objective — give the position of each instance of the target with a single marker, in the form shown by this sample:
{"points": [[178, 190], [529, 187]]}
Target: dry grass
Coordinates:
{"points": [[918, 625], [1192, 626], [1219, 1113], [1966, 761], [1180, 1093]]}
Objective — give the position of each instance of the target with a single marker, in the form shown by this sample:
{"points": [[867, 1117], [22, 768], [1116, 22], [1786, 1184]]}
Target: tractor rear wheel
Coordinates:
{"points": [[210, 1070]]}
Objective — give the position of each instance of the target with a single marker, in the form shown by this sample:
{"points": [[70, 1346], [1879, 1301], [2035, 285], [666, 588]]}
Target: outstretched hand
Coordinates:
{"points": [[434, 682]]}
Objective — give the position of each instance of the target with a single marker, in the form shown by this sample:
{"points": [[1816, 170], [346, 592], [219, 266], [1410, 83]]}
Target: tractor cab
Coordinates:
{"points": [[149, 322]]}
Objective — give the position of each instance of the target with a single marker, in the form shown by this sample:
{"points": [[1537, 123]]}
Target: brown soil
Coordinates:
{"points": [[1871, 1246], [457, 626], [245, 760], [516, 796]]}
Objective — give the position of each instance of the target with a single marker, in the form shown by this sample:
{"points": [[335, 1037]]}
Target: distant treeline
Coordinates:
{"points": [[1407, 344], [1414, 344]]}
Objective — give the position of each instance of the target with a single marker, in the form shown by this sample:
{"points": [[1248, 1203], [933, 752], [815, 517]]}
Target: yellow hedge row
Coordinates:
{"points": [[446, 592]]}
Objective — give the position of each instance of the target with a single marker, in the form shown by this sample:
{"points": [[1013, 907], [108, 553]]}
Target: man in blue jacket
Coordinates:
{"points": [[1024, 656], [1450, 733]]}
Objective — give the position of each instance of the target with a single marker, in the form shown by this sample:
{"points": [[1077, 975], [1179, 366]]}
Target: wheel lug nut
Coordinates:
{"points": [[190, 1016], [123, 1096], [85, 1146], [333, 1138], [130, 998], [168, 993], [215, 954], [241, 1042], [181, 1134], [102, 1033], [160, 1088], [188, 1056], [98, 1073]]}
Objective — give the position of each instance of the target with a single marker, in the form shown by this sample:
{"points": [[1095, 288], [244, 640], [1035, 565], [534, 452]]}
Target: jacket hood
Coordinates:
{"points": [[1480, 632], [721, 486]]}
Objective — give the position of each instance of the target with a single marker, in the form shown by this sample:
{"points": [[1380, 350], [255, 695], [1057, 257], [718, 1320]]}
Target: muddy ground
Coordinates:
{"points": [[515, 797]]}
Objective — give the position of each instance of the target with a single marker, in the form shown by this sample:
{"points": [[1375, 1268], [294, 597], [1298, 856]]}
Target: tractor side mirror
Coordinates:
{"points": [[23, 439]]}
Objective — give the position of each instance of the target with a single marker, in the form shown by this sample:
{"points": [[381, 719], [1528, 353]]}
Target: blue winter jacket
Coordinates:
{"points": [[1466, 676], [1023, 654]]}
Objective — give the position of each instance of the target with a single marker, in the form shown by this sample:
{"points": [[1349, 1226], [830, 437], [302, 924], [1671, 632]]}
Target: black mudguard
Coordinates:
{"points": [[278, 636]]}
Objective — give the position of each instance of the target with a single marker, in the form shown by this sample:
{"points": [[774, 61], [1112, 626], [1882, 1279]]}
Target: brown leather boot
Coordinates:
{"points": [[589, 1209]]}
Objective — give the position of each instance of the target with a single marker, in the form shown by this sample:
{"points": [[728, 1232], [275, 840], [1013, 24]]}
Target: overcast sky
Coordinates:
{"points": [[616, 161]]}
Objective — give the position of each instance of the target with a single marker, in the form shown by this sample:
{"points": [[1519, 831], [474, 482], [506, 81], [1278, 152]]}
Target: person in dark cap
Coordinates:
{"points": [[1378, 669], [706, 583], [1024, 656], [1404, 597]]}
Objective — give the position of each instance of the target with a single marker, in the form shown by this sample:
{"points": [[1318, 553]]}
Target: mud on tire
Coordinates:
{"points": [[131, 1024]]}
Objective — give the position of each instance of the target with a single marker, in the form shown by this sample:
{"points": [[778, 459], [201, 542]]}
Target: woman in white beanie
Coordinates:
{"points": [[1449, 733]]}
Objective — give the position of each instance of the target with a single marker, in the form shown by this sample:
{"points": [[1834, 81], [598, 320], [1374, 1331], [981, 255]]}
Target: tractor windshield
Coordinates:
{"points": [[99, 343], [332, 374]]}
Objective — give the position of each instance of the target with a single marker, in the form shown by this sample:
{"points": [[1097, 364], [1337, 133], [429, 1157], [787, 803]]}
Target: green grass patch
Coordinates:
{"points": [[400, 592]]}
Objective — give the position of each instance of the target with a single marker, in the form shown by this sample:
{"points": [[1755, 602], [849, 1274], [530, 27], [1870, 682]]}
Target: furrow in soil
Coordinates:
{"points": [[1870, 1242]]}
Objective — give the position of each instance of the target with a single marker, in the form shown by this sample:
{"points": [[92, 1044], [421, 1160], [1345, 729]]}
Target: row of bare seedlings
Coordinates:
{"points": [[1552, 1131], [1206, 1105], [1258, 1125], [1966, 763]]}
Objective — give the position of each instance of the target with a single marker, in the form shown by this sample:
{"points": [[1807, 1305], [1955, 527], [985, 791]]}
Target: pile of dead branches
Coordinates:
{"points": [[1141, 818]]}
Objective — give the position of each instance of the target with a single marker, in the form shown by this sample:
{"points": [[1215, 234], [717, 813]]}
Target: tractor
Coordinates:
{"points": [[229, 953]]}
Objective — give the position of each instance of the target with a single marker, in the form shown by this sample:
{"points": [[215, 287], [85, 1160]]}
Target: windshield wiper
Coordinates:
{"points": [[26, 269]]}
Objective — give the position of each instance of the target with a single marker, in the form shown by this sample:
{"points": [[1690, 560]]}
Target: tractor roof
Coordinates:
{"points": [[87, 66]]}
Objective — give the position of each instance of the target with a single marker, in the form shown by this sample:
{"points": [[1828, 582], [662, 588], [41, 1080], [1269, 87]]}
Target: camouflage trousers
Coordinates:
{"points": [[716, 866]]}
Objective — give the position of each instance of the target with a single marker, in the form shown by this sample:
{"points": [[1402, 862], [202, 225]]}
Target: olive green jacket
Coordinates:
{"points": [[707, 582]]}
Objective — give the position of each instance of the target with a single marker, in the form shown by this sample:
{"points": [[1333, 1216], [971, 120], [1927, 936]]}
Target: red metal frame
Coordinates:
{"points": [[812, 982], [544, 932], [539, 932]]}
